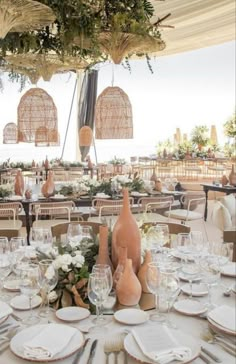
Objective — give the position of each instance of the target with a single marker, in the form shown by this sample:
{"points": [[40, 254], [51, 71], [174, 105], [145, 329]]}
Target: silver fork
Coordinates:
{"points": [[115, 346]]}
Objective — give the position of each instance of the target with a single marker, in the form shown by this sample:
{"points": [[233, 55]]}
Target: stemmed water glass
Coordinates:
{"points": [[98, 290], [76, 233], [210, 272], [158, 236], [104, 269], [41, 238], [5, 264], [29, 286], [191, 270], [153, 284], [48, 278], [168, 289]]}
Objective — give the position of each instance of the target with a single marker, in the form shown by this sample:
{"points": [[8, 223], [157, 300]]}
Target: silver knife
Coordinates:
{"points": [[211, 355], [92, 352], [205, 359]]}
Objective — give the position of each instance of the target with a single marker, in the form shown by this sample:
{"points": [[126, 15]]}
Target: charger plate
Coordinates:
{"points": [[17, 342], [135, 352]]}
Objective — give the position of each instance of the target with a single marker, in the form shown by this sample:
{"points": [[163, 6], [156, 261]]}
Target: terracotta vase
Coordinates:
{"points": [[28, 194], [154, 176], [121, 265], [128, 288], [103, 252], [46, 163], [126, 233], [232, 177], [158, 186], [33, 163], [224, 180], [19, 183], [48, 186], [143, 271]]}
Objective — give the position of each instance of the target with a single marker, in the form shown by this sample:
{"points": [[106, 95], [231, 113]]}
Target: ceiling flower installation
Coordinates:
{"points": [[84, 33]]}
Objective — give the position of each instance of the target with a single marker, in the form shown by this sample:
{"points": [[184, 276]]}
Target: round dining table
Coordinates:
{"points": [[193, 326]]}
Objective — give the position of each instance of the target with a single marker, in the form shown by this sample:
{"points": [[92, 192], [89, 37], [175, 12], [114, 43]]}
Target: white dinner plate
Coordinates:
{"points": [[185, 278], [71, 314], [58, 197], [229, 270], [218, 328], [22, 302], [15, 198], [131, 316], [12, 285], [198, 290], [190, 307], [181, 254], [135, 352], [17, 342], [139, 194]]}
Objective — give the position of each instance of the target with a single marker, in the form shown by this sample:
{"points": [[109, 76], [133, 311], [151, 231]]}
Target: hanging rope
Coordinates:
{"points": [[68, 122]]}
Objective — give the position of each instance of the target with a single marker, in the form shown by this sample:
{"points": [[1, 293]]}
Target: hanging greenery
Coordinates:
{"points": [[85, 21], [230, 126]]}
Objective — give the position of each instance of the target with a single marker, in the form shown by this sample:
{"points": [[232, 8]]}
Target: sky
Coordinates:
{"points": [[184, 90]]}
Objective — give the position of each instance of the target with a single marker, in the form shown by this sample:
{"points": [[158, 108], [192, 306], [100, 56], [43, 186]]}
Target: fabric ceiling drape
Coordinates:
{"points": [[87, 101]]}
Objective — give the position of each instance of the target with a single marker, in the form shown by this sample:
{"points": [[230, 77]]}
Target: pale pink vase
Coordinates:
{"points": [[48, 186], [103, 252], [143, 271], [19, 183], [121, 265]]}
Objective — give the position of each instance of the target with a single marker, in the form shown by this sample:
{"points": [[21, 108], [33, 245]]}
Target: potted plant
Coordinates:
{"points": [[199, 136]]}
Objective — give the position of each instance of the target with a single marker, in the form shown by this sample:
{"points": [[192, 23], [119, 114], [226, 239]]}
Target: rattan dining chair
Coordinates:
{"points": [[109, 207], [61, 229], [9, 218]]}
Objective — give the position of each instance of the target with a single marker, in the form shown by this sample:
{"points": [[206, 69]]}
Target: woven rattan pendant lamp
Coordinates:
{"points": [[113, 115], [23, 15], [10, 134], [36, 110]]}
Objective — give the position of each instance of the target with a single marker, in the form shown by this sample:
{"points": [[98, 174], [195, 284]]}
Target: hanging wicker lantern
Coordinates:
{"points": [[23, 15], [85, 136], [10, 134], [44, 65], [213, 137], [118, 45], [36, 109], [45, 137], [113, 115]]}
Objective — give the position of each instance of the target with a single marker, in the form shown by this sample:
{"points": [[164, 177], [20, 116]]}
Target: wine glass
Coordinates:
{"points": [[184, 243], [197, 242], [168, 289], [48, 278], [76, 233], [5, 264], [174, 182], [41, 239], [191, 270], [29, 286], [157, 235], [104, 269], [153, 284], [210, 272], [98, 290]]}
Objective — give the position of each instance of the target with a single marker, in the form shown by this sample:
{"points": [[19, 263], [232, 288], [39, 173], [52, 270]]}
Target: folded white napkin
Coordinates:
{"points": [[224, 316], [5, 309], [159, 345], [51, 340], [229, 269]]}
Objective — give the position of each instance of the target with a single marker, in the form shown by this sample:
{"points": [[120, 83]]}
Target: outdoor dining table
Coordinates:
{"points": [[190, 325], [214, 187]]}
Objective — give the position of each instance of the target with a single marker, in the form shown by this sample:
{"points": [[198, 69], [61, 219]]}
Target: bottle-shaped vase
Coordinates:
{"points": [[232, 177], [128, 288], [121, 265], [48, 186], [103, 251], [143, 271], [126, 233], [19, 183]]}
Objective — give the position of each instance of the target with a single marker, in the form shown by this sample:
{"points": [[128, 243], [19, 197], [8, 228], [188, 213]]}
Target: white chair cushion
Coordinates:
{"points": [[181, 214], [229, 202], [221, 216]]}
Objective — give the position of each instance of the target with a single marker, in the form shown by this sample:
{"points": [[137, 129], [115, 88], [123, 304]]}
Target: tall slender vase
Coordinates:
{"points": [[126, 233], [48, 186], [232, 177], [143, 271], [128, 288], [19, 183], [121, 265], [103, 252]]}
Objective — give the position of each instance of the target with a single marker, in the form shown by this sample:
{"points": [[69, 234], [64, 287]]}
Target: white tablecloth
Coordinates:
{"points": [[191, 325]]}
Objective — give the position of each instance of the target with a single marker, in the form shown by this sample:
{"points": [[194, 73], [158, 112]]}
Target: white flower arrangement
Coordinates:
{"points": [[6, 189]]}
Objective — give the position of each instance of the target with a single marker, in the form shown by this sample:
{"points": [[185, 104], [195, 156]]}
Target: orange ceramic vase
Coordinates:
{"points": [[103, 253], [224, 180], [121, 265], [19, 183], [143, 271], [232, 177], [126, 233], [128, 288], [48, 186]]}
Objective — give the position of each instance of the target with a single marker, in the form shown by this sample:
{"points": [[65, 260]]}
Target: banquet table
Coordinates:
{"points": [[190, 325]]}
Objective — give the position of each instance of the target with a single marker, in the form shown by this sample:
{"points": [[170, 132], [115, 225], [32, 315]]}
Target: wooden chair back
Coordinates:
{"points": [[10, 210], [61, 229], [173, 227]]}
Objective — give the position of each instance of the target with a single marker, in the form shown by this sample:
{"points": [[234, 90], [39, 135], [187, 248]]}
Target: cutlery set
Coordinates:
{"points": [[115, 346], [92, 351]]}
